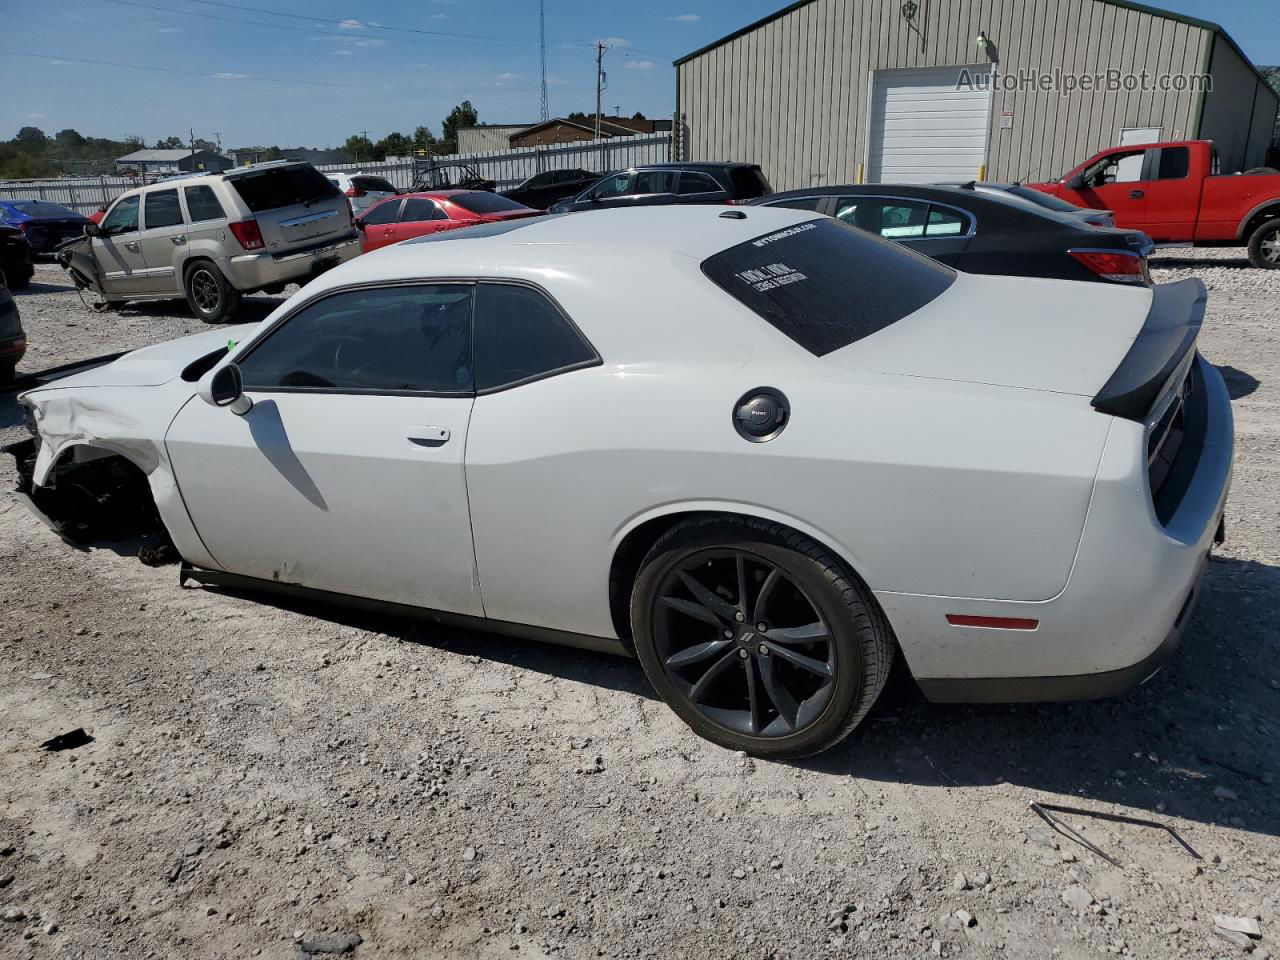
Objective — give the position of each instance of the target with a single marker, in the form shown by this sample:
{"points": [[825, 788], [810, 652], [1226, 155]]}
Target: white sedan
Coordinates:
{"points": [[765, 453]]}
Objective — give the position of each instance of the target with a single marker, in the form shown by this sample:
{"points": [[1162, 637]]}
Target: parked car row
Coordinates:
{"points": [[45, 225]]}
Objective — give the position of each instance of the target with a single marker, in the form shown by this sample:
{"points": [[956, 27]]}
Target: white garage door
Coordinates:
{"points": [[924, 130]]}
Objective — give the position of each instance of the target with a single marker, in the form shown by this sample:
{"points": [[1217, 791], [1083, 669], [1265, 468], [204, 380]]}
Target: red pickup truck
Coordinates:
{"points": [[1172, 192]]}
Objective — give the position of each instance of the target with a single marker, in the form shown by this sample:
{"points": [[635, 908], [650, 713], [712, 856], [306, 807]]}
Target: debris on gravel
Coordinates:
{"points": [[225, 811]]}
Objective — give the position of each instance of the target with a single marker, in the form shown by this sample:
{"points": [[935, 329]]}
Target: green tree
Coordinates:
{"points": [[394, 145], [359, 148], [272, 153], [424, 140], [170, 143], [463, 115], [31, 139]]}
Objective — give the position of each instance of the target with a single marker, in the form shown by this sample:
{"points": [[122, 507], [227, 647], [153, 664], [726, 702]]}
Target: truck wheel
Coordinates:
{"points": [[209, 295], [1264, 246]]}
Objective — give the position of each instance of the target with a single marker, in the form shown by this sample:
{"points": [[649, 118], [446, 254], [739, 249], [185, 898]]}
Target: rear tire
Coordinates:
{"points": [[209, 295], [758, 638], [1264, 246]]}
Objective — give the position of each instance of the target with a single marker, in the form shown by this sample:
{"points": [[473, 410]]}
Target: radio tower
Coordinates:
{"points": [[542, 39]]}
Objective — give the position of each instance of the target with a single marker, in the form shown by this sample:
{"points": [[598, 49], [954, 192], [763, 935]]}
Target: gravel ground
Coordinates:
{"points": [[264, 773]]}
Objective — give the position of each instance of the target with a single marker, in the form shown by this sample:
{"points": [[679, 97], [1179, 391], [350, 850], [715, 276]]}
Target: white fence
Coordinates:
{"points": [[506, 167]]}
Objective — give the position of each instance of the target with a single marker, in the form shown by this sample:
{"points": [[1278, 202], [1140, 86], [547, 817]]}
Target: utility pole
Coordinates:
{"points": [[545, 112], [600, 49]]}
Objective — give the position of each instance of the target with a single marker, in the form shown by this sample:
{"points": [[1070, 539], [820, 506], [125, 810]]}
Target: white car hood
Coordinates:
{"points": [[151, 366], [1060, 336]]}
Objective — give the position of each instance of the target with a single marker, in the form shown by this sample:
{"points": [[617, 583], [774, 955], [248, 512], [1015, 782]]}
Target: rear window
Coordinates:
{"points": [[376, 184], [282, 187], [42, 208], [749, 183], [826, 284], [483, 202]]}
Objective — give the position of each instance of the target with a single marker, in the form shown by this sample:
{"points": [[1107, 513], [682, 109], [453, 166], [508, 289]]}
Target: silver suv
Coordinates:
{"points": [[212, 237]]}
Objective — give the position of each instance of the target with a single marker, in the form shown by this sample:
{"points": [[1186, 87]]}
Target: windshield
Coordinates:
{"points": [[480, 202], [826, 284], [43, 209], [282, 187], [376, 184]]}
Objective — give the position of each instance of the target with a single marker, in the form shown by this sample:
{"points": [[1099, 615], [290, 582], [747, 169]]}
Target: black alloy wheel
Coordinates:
{"points": [[756, 638], [209, 294]]}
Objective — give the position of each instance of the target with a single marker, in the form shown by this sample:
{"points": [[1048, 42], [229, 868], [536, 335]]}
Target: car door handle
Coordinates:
{"points": [[131, 245], [1137, 194], [429, 436], [179, 239]]}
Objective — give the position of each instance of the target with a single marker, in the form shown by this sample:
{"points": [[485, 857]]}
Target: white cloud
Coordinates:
{"points": [[616, 42], [359, 41], [350, 24], [374, 23], [685, 18], [640, 65], [503, 79], [35, 116], [231, 76], [343, 53]]}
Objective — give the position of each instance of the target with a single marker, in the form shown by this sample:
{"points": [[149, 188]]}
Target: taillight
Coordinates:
{"points": [[1114, 265], [355, 192], [248, 234]]}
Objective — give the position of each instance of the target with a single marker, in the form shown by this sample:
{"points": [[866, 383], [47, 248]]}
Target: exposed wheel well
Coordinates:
{"points": [[631, 552], [1258, 219]]}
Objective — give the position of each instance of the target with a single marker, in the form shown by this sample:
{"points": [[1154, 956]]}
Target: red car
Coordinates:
{"points": [[418, 214]]}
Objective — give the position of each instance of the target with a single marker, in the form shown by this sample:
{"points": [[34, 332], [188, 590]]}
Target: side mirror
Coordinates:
{"points": [[224, 387], [359, 224], [1076, 183], [92, 230]]}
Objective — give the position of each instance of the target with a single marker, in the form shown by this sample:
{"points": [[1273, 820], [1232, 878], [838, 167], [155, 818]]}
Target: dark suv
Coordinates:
{"points": [[660, 183]]}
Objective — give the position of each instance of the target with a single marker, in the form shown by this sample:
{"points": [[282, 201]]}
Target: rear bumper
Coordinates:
{"points": [[253, 271], [1128, 600]]}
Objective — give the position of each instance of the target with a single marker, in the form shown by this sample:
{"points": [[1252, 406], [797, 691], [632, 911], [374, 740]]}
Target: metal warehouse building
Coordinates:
{"points": [[825, 91]]}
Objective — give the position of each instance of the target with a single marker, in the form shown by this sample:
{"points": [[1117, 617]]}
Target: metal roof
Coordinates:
{"points": [[144, 155]]}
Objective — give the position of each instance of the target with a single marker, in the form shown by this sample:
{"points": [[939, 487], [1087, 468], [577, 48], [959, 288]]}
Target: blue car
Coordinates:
{"points": [[45, 224]]}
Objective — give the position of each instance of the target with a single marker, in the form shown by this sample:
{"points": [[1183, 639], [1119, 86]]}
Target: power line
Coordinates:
{"points": [[349, 24], [214, 76]]}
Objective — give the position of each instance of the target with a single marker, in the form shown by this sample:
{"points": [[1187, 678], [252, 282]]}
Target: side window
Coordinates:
{"points": [[382, 213], [123, 217], [161, 209], [521, 335], [388, 339], [417, 209], [612, 186], [901, 220], [1175, 163], [698, 183], [945, 223], [798, 203], [202, 204], [654, 181], [1117, 168]]}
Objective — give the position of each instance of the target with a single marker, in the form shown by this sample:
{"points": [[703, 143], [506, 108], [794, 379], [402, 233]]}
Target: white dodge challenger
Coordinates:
{"points": [[764, 453]]}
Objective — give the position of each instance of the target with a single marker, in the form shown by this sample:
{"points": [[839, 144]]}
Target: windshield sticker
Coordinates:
{"points": [[770, 276], [783, 234]]}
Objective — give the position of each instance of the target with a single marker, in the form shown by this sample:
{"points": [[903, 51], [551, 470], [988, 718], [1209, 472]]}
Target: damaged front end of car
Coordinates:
{"points": [[89, 495]]}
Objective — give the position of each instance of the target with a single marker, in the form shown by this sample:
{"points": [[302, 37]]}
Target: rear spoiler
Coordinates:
{"points": [[1162, 350]]}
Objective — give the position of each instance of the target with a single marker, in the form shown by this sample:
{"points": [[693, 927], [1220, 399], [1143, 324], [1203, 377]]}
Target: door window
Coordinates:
{"points": [[698, 183], [654, 181], [382, 213], [521, 335], [202, 204], [417, 209], [1116, 168], [892, 219], [613, 186], [381, 340], [1175, 163], [162, 210], [123, 217]]}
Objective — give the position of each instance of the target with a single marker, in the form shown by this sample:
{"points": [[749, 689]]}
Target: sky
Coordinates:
{"points": [[310, 74]]}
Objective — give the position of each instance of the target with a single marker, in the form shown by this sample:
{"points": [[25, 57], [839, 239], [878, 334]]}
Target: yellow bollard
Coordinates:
{"points": [[982, 172], [858, 178]]}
